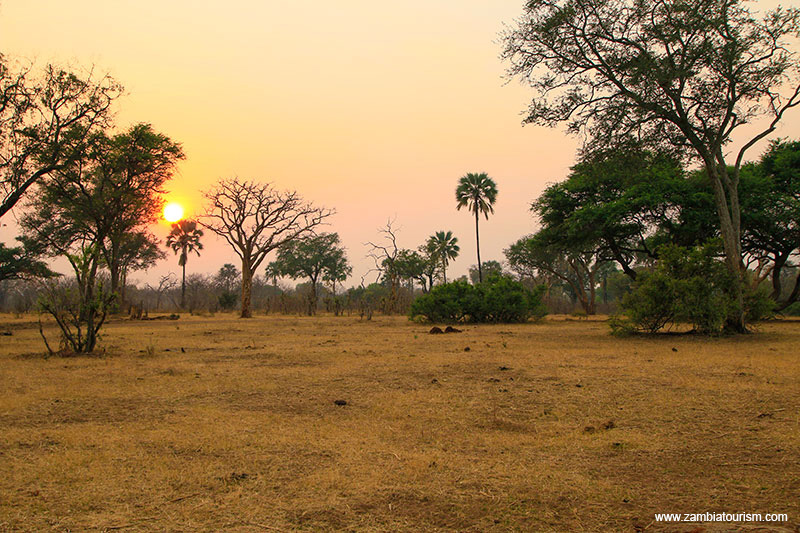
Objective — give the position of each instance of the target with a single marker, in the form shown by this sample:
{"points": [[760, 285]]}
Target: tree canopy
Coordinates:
{"points": [[685, 73]]}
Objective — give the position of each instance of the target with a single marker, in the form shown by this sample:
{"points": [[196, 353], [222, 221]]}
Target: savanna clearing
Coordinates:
{"points": [[217, 423]]}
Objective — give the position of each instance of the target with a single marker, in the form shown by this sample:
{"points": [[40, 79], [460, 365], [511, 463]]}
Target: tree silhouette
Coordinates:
{"points": [[255, 219], [477, 192], [184, 238], [444, 247]]}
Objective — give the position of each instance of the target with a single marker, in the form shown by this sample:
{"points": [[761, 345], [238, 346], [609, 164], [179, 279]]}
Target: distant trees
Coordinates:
{"points": [[315, 257], [478, 193], [488, 268], [46, 122], [442, 247], [542, 254], [255, 219], [680, 73], [227, 279], [184, 238]]}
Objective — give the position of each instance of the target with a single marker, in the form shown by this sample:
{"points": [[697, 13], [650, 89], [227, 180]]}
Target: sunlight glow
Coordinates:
{"points": [[173, 212]]}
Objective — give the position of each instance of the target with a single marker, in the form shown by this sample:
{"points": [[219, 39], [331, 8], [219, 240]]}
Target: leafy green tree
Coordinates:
{"points": [[688, 73], [79, 213], [184, 238], [311, 257], [771, 211], [478, 193], [443, 246], [338, 270], [412, 266], [138, 162], [612, 203], [22, 262]]}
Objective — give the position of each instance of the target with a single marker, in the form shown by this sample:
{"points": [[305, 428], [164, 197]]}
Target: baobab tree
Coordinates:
{"points": [[478, 193], [185, 238], [255, 219]]}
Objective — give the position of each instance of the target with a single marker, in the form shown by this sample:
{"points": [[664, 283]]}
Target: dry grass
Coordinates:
{"points": [[216, 423]]}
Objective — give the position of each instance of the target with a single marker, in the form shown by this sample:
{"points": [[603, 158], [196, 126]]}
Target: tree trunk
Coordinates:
{"points": [[444, 271], [793, 296], [727, 211], [780, 261], [312, 299], [247, 288], [478, 243], [183, 287]]}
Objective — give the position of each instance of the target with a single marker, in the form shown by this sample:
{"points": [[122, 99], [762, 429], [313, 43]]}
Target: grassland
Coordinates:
{"points": [[222, 424]]}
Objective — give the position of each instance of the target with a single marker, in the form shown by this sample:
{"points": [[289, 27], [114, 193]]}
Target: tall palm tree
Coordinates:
{"points": [[477, 192], [184, 237], [443, 245]]}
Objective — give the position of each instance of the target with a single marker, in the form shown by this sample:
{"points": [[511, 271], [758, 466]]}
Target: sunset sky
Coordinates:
{"points": [[374, 109]]}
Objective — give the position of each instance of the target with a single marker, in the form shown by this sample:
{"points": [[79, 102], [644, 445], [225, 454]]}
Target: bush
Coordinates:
{"points": [[228, 300], [498, 299], [690, 286]]}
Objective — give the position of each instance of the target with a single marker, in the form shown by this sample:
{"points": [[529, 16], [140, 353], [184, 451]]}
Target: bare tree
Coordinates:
{"points": [[385, 258], [255, 219]]}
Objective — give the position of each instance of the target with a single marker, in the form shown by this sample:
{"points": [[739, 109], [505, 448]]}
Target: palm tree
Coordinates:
{"points": [[444, 246], [478, 193], [184, 238]]}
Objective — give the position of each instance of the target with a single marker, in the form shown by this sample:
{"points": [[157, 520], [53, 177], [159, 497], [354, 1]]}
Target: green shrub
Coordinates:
{"points": [[687, 286], [228, 300], [498, 299]]}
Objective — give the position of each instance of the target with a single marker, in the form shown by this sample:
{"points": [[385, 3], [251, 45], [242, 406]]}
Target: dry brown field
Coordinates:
{"points": [[220, 424]]}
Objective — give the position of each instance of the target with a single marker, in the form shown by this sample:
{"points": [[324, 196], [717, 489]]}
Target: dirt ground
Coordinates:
{"points": [[220, 424]]}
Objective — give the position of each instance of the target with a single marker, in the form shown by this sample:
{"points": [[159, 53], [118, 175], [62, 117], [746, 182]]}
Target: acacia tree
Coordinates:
{"points": [[45, 122], [314, 257], [478, 193], [684, 72], [184, 237], [255, 219]]}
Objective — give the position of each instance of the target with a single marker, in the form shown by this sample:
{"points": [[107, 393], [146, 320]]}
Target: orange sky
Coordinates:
{"points": [[371, 108]]}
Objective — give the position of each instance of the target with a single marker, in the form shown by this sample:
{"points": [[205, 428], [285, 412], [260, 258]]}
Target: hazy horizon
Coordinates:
{"points": [[369, 109]]}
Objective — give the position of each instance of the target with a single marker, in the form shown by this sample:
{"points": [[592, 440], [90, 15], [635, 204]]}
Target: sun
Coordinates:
{"points": [[173, 212]]}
